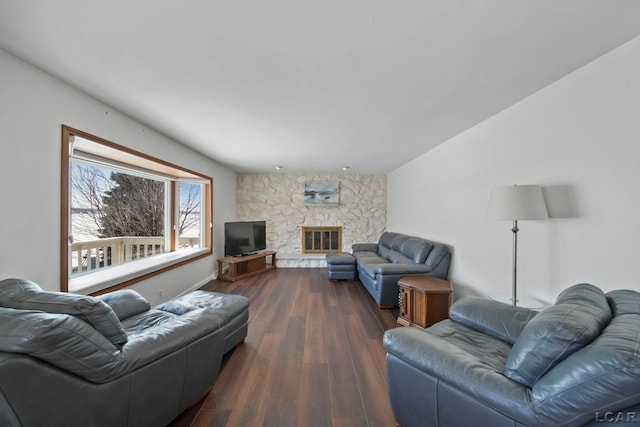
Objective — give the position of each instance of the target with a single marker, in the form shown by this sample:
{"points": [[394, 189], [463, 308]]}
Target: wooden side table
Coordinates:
{"points": [[423, 300]]}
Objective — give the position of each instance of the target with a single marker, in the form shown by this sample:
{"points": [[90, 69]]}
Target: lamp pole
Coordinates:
{"points": [[515, 229]]}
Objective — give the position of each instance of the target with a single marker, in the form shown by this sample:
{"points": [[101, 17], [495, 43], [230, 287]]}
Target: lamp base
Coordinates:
{"points": [[521, 302]]}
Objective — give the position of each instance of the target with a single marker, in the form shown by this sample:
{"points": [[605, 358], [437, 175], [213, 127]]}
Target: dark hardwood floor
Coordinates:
{"points": [[313, 356]]}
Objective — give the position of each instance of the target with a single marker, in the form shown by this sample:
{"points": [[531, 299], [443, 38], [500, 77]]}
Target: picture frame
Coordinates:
{"points": [[321, 193]]}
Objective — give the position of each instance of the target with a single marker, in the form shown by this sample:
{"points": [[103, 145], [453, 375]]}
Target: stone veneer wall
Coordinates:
{"points": [[279, 200]]}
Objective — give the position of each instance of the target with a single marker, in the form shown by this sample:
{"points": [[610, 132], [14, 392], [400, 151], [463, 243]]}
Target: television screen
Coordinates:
{"points": [[244, 237]]}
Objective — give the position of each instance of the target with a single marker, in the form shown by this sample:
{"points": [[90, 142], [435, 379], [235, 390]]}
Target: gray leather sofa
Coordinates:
{"points": [[491, 364], [73, 360], [380, 265]]}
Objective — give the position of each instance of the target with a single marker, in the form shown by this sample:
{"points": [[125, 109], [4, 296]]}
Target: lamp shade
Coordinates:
{"points": [[516, 202]]}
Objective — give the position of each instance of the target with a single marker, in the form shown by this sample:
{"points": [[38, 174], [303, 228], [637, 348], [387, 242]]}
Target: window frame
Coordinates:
{"points": [[126, 275]]}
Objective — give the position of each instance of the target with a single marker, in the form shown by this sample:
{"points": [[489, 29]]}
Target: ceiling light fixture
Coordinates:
{"points": [[279, 168], [346, 168]]}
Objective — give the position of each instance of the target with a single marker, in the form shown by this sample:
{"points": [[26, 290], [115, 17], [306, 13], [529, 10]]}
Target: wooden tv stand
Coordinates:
{"points": [[244, 266]]}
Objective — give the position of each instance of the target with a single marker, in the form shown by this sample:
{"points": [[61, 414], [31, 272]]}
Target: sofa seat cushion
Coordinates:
{"points": [[226, 306], [139, 323], [26, 295], [340, 258], [370, 267], [457, 354], [364, 256], [484, 348], [372, 260], [579, 316], [341, 267]]}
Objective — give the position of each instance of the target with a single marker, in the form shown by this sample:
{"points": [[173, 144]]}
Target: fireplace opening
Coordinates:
{"points": [[321, 239]]}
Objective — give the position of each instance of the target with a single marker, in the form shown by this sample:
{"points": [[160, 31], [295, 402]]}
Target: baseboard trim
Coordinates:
{"points": [[301, 261]]}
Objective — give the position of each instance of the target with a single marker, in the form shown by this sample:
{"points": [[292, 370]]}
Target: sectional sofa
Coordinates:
{"points": [[491, 364], [73, 360], [380, 265]]}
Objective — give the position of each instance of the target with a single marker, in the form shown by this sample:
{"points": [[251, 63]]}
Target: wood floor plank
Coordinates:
{"points": [[346, 401], [283, 398], [315, 347], [369, 371], [313, 356], [314, 407], [209, 418], [248, 400]]}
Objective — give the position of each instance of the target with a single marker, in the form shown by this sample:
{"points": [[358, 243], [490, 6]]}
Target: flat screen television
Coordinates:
{"points": [[244, 237]]}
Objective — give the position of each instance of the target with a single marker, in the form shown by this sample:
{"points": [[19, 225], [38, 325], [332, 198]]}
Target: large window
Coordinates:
{"points": [[126, 215]]}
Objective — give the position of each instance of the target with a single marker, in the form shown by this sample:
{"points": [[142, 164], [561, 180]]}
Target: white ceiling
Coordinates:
{"points": [[313, 84]]}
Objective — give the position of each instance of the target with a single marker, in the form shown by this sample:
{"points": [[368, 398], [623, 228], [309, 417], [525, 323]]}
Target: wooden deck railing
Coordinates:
{"points": [[102, 253]]}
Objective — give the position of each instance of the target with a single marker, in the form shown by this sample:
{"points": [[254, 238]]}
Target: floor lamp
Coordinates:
{"points": [[517, 202]]}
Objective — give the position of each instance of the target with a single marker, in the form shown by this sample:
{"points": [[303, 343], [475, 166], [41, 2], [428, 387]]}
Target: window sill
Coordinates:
{"points": [[93, 282]]}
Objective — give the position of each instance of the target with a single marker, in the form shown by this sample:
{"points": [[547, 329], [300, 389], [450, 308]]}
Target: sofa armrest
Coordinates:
{"points": [[61, 340], [395, 269], [72, 345], [448, 363], [369, 247], [502, 321]]}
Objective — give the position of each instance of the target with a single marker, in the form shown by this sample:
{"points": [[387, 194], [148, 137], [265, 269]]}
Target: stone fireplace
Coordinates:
{"points": [[277, 198]]}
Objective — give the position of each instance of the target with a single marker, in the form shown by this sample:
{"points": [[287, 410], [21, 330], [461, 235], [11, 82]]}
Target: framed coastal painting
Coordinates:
{"points": [[321, 193]]}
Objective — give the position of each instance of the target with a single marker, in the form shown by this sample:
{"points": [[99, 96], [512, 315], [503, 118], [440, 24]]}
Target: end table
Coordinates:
{"points": [[423, 300]]}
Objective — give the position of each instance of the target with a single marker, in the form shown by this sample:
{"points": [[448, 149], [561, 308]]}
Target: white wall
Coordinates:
{"points": [[33, 106], [580, 139]]}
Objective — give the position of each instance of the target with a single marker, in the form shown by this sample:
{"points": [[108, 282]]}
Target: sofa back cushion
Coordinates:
{"points": [[604, 374], [26, 295], [386, 239], [385, 245], [403, 249], [436, 255], [60, 339], [580, 314], [125, 303], [502, 321], [415, 250]]}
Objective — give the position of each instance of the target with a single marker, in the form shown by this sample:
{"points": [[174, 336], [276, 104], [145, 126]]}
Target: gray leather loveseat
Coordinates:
{"points": [[491, 364], [73, 360], [380, 265]]}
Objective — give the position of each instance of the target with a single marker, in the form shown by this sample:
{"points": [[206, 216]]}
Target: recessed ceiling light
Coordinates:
{"points": [[279, 168]]}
